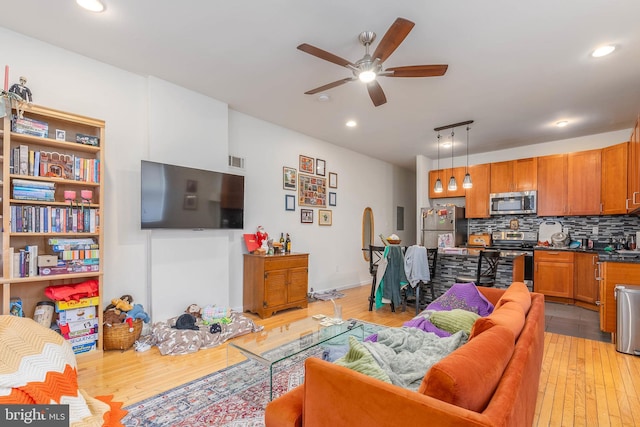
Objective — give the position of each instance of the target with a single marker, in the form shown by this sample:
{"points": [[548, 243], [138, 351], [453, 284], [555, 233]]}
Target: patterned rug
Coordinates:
{"points": [[233, 397]]}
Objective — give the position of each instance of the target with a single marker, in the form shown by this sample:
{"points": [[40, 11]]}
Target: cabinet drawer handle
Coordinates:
{"points": [[633, 198]]}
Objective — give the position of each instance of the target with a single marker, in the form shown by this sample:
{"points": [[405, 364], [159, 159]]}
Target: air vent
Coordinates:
{"points": [[236, 162]]}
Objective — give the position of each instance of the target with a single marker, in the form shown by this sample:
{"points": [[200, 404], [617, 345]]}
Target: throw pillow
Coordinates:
{"points": [[465, 296], [454, 320], [509, 315], [360, 360], [517, 292]]}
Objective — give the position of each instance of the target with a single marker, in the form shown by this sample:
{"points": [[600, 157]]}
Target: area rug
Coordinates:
{"points": [[233, 397]]}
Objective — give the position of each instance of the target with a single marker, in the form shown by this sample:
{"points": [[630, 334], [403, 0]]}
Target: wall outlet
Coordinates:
{"points": [[595, 231]]}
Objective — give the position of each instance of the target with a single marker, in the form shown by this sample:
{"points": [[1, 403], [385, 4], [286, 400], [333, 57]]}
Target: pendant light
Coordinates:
{"points": [[453, 185], [437, 188], [466, 183]]}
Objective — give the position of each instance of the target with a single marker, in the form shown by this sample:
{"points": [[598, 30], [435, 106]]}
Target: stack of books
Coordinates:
{"points": [[74, 256], [78, 323], [24, 189]]}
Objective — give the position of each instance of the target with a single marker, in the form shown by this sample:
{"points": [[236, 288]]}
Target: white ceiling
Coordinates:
{"points": [[515, 68]]}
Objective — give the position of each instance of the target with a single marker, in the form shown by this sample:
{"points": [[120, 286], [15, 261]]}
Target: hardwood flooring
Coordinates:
{"points": [[583, 382]]}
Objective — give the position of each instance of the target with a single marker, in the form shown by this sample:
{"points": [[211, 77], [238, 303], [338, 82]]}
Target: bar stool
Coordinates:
{"points": [[486, 272]]}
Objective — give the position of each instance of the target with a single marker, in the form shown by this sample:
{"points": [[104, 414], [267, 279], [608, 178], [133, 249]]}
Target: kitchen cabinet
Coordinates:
{"points": [[585, 288], [477, 197], [614, 273], [274, 282], [614, 179], [583, 182], [514, 175], [552, 190], [444, 175], [553, 273], [633, 171]]}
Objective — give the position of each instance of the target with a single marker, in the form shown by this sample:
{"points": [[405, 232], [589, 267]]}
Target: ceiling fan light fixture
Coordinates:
{"points": [[91, 5], [562, 123], [367, 76]]}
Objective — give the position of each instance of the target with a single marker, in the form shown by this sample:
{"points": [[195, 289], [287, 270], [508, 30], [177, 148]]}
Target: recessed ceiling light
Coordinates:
{"points": [[91, 5], [323, 97], [562, 123], [603, 51], [446, 144], [351, 123]]}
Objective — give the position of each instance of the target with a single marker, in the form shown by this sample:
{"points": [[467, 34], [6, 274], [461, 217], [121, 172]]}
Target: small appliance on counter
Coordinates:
{"points": [[477, 242], [546, 230]]}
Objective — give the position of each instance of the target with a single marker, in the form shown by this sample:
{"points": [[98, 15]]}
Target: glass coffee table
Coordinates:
{"points": [[270, 347]]}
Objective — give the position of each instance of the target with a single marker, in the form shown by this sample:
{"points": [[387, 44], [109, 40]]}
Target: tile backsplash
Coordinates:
{"points": [[579, 227]]}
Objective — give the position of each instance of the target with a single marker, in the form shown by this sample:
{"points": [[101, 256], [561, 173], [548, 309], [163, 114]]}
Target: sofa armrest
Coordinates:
{"points": [[492, 294], [337, 396]]}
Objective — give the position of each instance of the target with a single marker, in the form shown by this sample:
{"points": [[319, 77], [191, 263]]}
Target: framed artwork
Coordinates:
{"points": [[325, 217], [320, 167], [61, 135], [312, 191], [289, 178], [306, 164], [333, 180], [332, 199], [190, 202], [289, 202], [306, 216], [192, 186]]}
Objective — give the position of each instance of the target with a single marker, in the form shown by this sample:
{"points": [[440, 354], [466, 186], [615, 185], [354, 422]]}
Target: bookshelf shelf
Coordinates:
{"points": [[67, 167]]}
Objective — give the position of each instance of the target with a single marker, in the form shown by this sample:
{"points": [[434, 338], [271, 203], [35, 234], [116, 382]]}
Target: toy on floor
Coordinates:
{"points": [[137, 312], [214, 314]]}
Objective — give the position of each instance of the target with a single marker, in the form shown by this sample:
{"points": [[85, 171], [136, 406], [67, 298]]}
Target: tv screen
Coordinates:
{"points": [[187, 198]]}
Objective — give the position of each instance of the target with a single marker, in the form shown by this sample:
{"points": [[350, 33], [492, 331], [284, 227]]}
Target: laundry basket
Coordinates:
{"points": [[119, 337]]}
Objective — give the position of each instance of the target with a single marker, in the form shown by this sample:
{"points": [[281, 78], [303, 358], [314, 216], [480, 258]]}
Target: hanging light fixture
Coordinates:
{"points": [[437, 188], [466, 183], [453, 185]]}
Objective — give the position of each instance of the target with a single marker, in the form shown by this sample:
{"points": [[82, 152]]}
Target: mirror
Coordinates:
{"points": [[367, 232]]}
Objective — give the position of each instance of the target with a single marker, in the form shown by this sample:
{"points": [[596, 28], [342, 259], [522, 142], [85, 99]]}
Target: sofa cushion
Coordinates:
{"points": [[360, 360], [517, 292], [509, 315], [465, 296], [454, 320], [469, 376]]}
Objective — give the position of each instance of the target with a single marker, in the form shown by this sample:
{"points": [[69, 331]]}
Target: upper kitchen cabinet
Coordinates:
{"points": [[477, 197], [614, 179], [514, 175], [445, 175], [633, 180], [552, 189], [583, 182]]}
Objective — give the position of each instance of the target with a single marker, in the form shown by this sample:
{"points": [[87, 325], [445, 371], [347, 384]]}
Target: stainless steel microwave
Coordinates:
{"points": [[521, 202]]}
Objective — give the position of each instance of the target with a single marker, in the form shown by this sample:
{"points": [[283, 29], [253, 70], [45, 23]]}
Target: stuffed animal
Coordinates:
{"points": [[110, 317], [194, 310], [137, 312], [121, 304]]}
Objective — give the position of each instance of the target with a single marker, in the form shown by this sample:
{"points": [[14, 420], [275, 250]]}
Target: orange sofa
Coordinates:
{"points": [[492, 380]]}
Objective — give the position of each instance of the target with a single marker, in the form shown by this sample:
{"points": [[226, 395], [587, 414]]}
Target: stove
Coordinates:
{"points": [[518, 243]]}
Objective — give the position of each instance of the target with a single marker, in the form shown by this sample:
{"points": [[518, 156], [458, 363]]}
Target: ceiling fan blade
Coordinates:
{"points": [[392, 38], [323, 54], [376, 93], [417, 71], [329, 86]]}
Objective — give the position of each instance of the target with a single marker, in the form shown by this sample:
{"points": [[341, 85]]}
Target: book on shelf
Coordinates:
{"points": [[23, 160], [26, 183]]}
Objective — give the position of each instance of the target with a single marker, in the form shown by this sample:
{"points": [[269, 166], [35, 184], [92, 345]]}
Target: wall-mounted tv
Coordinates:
{"points": [[186, 198]]}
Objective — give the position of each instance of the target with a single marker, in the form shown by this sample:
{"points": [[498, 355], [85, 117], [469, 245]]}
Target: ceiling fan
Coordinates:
{"points": [[369, 67]]}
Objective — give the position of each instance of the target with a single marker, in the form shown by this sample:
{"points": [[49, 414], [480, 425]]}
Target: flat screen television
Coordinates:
{"points": [[186, 198]]}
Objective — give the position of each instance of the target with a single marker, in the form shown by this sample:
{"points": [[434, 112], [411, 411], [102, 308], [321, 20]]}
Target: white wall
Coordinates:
{"points": [[150, 119]]}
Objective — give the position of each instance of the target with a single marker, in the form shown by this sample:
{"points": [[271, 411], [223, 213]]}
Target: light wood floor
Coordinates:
{"points": [[583, 382]]}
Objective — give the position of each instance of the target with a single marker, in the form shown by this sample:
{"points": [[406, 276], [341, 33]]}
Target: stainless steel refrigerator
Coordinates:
{"points": [[442, 220]]}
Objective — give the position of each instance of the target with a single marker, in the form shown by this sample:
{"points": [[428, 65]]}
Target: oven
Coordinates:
{"points": [[517, 243]]}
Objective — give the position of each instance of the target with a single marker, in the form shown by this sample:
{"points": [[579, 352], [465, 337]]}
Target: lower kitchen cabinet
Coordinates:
{"points": [[275, 282], [553, 273], [585, 284], [612, 274]]}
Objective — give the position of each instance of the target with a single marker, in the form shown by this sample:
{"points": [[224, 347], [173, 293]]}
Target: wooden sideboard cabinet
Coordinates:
{"points": [[275, 282]]}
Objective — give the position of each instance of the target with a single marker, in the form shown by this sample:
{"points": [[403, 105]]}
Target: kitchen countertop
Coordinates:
{"points": [[604, 256]]}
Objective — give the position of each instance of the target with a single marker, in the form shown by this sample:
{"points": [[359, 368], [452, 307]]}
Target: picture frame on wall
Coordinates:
{"points": [[325, 217], [306, 216], [332, 198], [312, 191], [321, 166], [190, 202], [333, 180], [306, 164], [289, 202], [289, 178]]}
